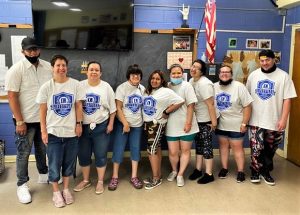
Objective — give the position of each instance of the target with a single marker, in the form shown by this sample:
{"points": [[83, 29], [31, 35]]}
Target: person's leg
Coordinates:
{"points": [[185, 156], [239, 153], [134, 140], [271, 143], [173, 147], [40, 151], [197, 173], [224, 151]]}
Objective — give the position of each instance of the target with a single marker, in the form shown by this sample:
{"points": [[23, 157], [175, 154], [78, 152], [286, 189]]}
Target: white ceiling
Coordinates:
{"points": [[82, 4]]}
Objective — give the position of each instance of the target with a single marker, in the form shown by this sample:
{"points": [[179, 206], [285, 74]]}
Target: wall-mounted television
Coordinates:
{"points": [[84, 24]]}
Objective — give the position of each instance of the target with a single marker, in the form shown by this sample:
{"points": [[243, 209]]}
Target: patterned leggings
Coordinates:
{"points": [[264, 144], [203, 141]]}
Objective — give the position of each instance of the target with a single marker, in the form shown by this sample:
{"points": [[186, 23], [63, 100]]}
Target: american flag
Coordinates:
{"points": [[210, 21]]}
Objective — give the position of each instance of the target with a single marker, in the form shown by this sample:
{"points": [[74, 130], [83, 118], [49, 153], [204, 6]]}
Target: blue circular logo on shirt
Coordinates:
{"points": [[62, 104]]}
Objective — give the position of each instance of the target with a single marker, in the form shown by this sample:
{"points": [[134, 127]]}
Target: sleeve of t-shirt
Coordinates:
{"points": [[13, 80], [120, 93], [190, 96], [206, 91], [174, 98], [244, 96], [289, 88], [80, 92], [248, 85], [111, 99], [42, 96]]}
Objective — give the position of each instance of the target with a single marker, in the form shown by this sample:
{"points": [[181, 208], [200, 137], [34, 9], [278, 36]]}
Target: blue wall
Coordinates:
{"points": [[234, 15]]}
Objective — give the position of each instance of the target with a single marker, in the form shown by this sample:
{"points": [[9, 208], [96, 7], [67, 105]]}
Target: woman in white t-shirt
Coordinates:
{"points": [[128, 126], [182, 125], [60, 102], [99, 110], [234, 104], [158, 103]]}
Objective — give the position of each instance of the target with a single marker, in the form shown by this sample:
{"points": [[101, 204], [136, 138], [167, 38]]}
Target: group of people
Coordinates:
{"points": [[66, 118]]}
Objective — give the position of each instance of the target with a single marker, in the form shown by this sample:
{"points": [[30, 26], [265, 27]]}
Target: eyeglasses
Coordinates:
{"points": [[225, 72]]}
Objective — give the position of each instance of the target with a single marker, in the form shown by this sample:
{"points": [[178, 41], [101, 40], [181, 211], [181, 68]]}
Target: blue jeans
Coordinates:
{"points": [[94, 141], [62, 153], [120, 140], [24, 145]]}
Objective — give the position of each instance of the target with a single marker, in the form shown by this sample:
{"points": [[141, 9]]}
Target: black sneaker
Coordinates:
{"points": [[195, 175], [267, 178], [254, 178], [223, 173], [206, 179], [154, 183], [240, 177]]}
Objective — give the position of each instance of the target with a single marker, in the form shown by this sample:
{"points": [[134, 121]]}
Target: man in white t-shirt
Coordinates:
{"points": [[272, 90], [22, 82]]}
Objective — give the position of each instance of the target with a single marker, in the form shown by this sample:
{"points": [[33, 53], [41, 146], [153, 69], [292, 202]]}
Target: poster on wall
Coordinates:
{"points": [[242, 63], [183, 58], [3, 70], [181, 43]]}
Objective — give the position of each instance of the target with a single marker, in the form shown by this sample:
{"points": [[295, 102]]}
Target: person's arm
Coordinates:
{"points": [[110, 125], [246, 117], [286, 107], [172, 108], [189, 117], [43, 114], [14, 104], [121, 116], [79, 117], [212, 112]]}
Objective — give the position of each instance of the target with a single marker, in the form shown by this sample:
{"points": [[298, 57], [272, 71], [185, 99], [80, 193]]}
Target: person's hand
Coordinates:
{"points": [[109, 128], [213, 126], [45, 137], [185, 12], [187, 127], [78, 130], [21, 129], [243, 128], [126, 128], [281, 125]]}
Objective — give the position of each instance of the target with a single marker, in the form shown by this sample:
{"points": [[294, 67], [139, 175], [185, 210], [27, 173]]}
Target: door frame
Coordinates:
{"points": [[295, 28]]}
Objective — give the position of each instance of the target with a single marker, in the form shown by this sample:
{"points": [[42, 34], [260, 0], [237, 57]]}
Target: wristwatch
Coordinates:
{"points": [[165, 112], [19, 123], [79, 123]]}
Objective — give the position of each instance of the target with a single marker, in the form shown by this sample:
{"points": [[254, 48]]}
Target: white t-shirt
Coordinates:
{"points": [[159, 100], [177, 120], [268, 91], [60, 99], [230, 101], [131, 96], [204, 90], [99, 102], [26, 79]]}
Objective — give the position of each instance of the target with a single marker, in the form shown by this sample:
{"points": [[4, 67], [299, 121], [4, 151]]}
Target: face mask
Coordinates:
{"points": [[225, 82], [176, 81], [32, 60]]}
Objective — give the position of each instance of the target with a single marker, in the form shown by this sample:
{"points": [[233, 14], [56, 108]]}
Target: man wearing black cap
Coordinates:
{"points": [[272, 90], [22, 82]]}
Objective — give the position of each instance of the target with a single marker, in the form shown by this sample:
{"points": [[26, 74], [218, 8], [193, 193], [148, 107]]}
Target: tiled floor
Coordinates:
{"points": [[223, 196]]}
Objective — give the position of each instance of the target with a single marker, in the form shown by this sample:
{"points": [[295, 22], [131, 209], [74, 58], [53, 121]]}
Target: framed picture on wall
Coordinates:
{"points": [[252, 43], [232, 42], [265, 44], [181, 42], [277, 57]]}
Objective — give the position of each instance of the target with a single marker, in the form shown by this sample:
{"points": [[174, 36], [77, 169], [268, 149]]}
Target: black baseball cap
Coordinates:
{"points": [[266, 53], [29, 43]]}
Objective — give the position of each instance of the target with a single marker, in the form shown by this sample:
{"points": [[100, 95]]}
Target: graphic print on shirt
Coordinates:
{"points": [[91, 103], [134, 103], [149, 106], [265, 89], [223, 101], [62, 104]]}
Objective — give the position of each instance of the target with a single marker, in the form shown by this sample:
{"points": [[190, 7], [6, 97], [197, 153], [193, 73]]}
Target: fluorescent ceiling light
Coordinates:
{"points": [[75, 9], [60, 3]]}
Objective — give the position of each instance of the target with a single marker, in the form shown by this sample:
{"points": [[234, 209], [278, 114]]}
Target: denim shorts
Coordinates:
{"points": [[120, 139], [94, 141], [188, 138], [62, 153], [230, 134]]}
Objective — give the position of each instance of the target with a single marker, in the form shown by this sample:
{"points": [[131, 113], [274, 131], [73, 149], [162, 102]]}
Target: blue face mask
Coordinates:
{"points": [[176, 81]]}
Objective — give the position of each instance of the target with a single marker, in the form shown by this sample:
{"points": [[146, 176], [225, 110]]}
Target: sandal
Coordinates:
{"points": [[113, 184], [99, 188], [82, 185], [136, 183]]}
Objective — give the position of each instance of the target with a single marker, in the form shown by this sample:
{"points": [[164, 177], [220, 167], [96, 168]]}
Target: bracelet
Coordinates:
{"points": [[244, 125], [165, 112], [79, 123], [19, 123]]}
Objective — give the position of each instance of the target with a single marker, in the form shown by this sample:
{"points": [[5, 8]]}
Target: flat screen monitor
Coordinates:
{"points": [[84, 24]]}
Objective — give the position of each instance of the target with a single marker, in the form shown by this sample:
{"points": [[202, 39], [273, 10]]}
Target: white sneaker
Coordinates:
{"points": [[43, 179], [172, 176], [23, 194], [180, 181]]}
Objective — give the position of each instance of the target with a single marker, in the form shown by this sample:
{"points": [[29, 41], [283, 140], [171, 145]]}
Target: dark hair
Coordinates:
{"points": [[94, 62], [58, 57], [175, 65], [203, 65], [225, 65], [267, 53], [134, 69], [163, 81]]}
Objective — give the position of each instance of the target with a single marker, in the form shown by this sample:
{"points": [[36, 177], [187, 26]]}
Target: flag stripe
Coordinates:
{"points": [[210, 21]]}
